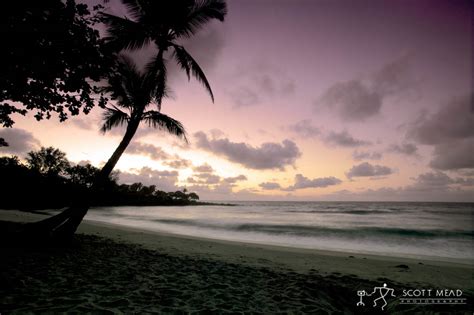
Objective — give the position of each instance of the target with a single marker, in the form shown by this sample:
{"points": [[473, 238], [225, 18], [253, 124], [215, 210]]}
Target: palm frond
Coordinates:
{"points": [[156, 75], [186, 61], [135, 8], [113, 117], [122, 82], [201, 13], [161, 121], [124, 33]]}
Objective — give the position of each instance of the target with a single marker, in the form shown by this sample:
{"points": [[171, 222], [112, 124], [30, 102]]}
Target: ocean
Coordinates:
{"points": [[442, 231]]}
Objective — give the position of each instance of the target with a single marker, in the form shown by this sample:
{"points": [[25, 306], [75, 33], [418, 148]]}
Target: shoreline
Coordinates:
{"points": [[454, 272]]}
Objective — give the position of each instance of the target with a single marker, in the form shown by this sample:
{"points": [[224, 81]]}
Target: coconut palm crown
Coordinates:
{"points": [[134, 93], [163, 23]]}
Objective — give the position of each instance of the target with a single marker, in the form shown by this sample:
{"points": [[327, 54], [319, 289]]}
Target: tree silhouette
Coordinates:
{"points": [[160, 22], [164, 23], [43, 191], [48, 161], [135, 93], [52, 59], [84, 175]]}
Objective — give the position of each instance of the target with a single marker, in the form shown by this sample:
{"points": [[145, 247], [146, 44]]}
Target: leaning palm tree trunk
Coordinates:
{"points": [[61, 227]]}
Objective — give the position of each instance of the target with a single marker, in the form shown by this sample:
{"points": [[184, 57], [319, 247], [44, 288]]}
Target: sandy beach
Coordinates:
{"points": [[118, 269]]}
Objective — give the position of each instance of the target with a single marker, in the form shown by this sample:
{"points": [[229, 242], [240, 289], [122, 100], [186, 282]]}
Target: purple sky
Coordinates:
{"points": [[315, 100]]}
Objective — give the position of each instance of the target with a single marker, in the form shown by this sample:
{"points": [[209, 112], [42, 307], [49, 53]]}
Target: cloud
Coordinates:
{"points": [[364, 155], [178, 163], [270, 186], [83, 124], [259, 82], [394, 77], [404, 148], [305, 129], [243, 96], [439, 181], [302, 182], [235, 179], [343, 139], [450, 130], [19, 141], [408, 193], [368, 170], [204, 178], [164, 180], [352, 101], [267, 156], [205, 168], [453, 121], [358, 100], [153, 152], [432, 180], [452, 156]]}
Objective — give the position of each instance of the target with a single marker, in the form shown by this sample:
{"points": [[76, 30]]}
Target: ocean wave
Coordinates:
{"points": [[318, 231]]}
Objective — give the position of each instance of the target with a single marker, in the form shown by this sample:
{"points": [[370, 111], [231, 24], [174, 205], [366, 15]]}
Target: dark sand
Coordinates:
{"points": [[133, 271]]}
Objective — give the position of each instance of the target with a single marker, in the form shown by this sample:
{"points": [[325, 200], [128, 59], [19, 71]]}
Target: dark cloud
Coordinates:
{"points": [[404, 148], [235, 179], [439, 181], [432, 180], [358, 100], [394, 77], [153, 152], [352, 101], [270, 186], [364, 155], [164, 180], [451, 122], [302, 182], [456, 155], [304, 128], [244, 96], [469, 182], [343, 139], [451, 131], [368, 170], [259, 82], [267, 156], [19, 141]]}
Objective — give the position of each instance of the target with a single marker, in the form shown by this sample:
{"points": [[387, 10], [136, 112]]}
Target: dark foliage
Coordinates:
{"points": [[53, 183], [51, 59]]}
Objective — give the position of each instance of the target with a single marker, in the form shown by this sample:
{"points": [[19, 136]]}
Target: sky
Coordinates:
{"points": [[314, 100]]}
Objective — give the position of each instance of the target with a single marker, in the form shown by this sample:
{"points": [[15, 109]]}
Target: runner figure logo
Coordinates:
{"points": [[383, 291]]}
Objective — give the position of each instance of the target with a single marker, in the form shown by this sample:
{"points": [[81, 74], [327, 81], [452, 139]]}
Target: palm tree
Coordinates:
{"points": [[164, 23], [134, 93]]}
